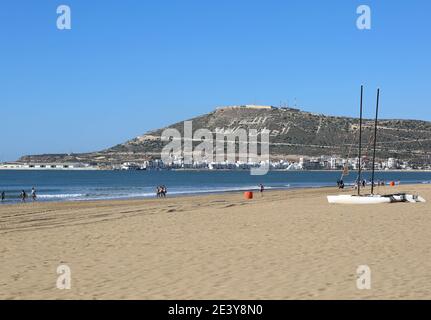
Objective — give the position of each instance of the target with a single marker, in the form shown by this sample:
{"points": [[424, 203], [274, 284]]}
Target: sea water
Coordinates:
{"points": [[98, 185]]}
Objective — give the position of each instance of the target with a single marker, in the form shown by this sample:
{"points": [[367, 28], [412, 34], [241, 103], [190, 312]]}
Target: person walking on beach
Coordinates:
{"points": [[159, 191], [262, 188], [3, 196], [23, 195], [33, 194]]}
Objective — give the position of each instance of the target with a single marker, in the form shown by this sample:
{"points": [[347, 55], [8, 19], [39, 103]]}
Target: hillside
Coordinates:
{"points": [[293, 133]]}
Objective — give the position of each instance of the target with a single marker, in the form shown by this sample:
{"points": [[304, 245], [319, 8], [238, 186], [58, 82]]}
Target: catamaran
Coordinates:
{"points": [[371, 198]]}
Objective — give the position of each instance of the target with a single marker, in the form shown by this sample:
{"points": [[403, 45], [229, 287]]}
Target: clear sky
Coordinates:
{"points": [[127, 66]]}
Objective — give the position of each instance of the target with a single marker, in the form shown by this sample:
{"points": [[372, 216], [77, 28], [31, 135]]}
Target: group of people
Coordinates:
{"points": [[161, 191], [340, 184], [23, 195], [362, 183]]}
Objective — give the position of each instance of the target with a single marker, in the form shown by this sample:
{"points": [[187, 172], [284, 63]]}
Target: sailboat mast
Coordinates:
{"points": [[360, 142], [375, 141]]}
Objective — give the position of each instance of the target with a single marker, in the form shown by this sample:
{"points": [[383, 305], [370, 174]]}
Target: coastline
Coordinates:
{"points": [[235, 190], [286, 244]]}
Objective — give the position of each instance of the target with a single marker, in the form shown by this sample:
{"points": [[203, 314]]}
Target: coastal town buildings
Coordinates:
{"points": [[177, 162]]}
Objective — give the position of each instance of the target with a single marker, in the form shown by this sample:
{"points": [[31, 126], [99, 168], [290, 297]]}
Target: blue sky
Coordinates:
{"points": [[130, 66]]}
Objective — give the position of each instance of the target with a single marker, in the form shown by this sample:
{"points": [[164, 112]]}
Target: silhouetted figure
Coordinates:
{"points": [[23, 195], [3, 196], [33, 194], [161, 192]]}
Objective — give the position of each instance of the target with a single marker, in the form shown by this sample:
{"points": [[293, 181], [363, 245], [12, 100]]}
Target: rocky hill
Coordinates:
{"points": [[293, 133]]}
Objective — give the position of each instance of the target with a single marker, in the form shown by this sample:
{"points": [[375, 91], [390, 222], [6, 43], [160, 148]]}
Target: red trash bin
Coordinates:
{"points": [[248, 195]]}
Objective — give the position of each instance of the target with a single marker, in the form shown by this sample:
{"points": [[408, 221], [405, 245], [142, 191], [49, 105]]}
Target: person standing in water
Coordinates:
{"points": [[3, 196], [23, 195], [33, 194]]}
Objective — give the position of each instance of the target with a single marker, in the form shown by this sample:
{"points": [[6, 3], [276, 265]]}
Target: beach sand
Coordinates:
{"points": [[285, 245]]}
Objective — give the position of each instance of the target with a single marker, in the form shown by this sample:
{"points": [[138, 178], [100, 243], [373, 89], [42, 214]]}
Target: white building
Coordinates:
{"points": [[392, 163]]}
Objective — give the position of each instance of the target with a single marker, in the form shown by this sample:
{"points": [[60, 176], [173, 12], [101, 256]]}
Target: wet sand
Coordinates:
{"points": [[285, 245]]}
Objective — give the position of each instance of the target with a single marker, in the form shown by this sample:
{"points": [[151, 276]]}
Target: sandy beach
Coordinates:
{"points": [[285, 245]]}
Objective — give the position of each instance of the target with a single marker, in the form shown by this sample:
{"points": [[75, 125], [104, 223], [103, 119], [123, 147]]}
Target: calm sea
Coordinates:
{"points": [[98, 185]]}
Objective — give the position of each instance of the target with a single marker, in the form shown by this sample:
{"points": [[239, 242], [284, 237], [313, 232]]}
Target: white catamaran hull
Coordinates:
{"points": [[403, 197], [374, 199], [349, 199]]}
